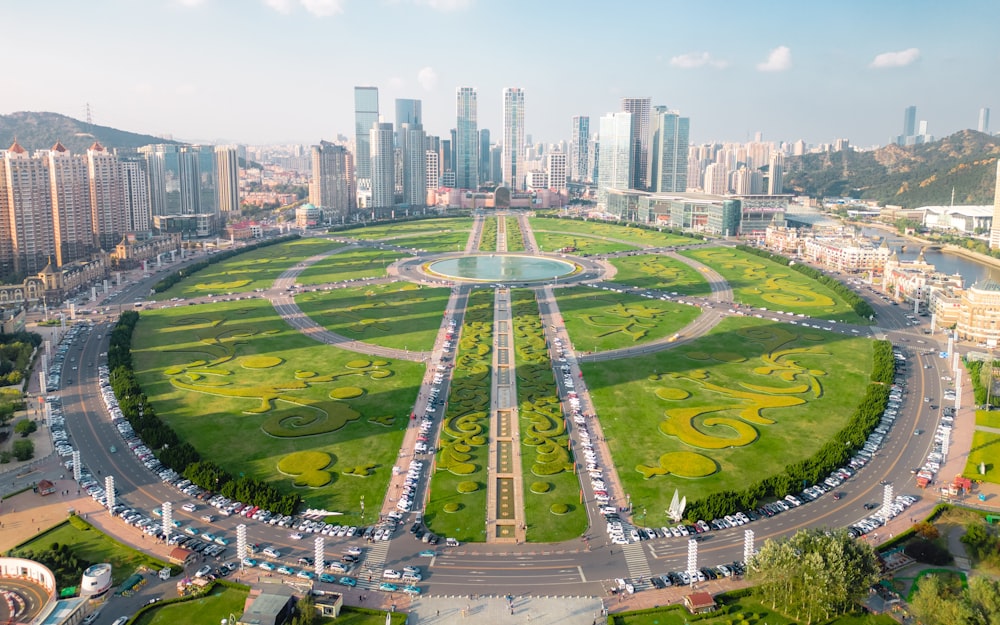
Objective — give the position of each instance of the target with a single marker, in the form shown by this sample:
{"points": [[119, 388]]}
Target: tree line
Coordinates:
{"points": [[172, 452], [15, 356], [175, 277], [832, 455], [855, 301], [982, 380], [632, 224]]}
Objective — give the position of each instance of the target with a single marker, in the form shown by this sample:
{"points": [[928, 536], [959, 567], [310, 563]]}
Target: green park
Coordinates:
{"points": [[635, 237], [348, 264], [662, 273]]}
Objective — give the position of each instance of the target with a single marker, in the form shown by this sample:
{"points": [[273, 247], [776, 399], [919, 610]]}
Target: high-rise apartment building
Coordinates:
{"points": [[668, 160], [135, 194], [716, 179], [616, 154], [227, 180], [72, 217], [484, 156], [466, 146], [995, 229], [332, 184], [556, 168], [984, 120], [383, 165], [910, 121], [433, 172], [775, 174], [27, 232], [106, 199], [365, 116], [639, 108], [412, 145], [579, 170], [513, 171], [748, 181]]}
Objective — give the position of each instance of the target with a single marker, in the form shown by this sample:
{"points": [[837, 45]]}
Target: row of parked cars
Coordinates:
{"points": [[57, 427], [54, 380]]}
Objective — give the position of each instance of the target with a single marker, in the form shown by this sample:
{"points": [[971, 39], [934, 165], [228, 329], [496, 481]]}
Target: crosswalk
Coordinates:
{"points": [[638, 565], [370, 571]]}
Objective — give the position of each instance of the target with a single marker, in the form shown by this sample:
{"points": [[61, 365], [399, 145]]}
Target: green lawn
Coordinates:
{"points": [[582, 244], [762, 283], [734, 612], [638, 237], [398, 314], [545, 457], [217, 605], [253, 270], [599, 320], [349, 264], [652, 271], [247, 390], [408, 228], [363, 616], [986, 450], [435, 243], [988, 418], [745, 400], [92, 546], [464, 440], [515, 238], [488, 235]]}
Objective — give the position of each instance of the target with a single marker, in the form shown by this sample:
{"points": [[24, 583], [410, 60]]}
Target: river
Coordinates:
{"points": [[970, 270]]}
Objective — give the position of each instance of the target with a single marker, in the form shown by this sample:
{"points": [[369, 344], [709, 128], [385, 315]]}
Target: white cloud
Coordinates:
{"points": [[323, 8], [190, 3], [901, 58], [693, 60], [445, 5], [281, 6], [779, 60], [427, 78], [395, 82]]}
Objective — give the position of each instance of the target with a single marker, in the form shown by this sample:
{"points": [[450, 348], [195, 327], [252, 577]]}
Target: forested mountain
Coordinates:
{"points": [[914, 176], [41, 130]]}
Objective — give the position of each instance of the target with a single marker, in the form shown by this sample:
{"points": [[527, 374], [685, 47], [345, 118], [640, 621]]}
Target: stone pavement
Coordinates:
{"points": [[26, 514]]}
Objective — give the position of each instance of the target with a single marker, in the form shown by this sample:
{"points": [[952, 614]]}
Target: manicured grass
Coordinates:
{"points": [[515, 238], [244, 273], [363, 616], [488, 234], [398, 314], [408, 228], [636, 236], [349, 264], [985, 449], [208, 610], [92, 546], [652, 271], [753, 612], [762, 283], [988, 418], [188, 361], [582, 244], [599, 320], [435, 243], [716, 396], [544, 441], [464, 439]]}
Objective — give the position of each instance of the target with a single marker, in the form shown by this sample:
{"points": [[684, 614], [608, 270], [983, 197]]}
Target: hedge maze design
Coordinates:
{"points": [[712, 426], [307, 468], [210, 372], [779, 286], [632, 320], [372, 317], [467, 416]]}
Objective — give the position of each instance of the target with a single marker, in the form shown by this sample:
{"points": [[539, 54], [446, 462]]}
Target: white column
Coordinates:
{"points": [[692, 569], [168, 519], [318, 555], [748, 548], [93, 293], [887, 497], [72, 311], [241, 543], [76, 465], [109, 490], [41, 381]]}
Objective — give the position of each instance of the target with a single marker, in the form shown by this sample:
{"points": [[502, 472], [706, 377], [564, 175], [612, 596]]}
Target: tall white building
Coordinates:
{"points": [[466, 148], [556, 168], [579, 161], [331, 186], [639, 108], [383, 165], [995, 229], [716, 179], [106, 200], [71, 212], [412, 140], [135, 191], [227, 180], [775, 173], [614, 168], [512, 166], [668, 162], [432, 163]]}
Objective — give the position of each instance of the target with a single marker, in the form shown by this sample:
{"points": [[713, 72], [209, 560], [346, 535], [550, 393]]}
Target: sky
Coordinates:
{"points": [[283, 71]]}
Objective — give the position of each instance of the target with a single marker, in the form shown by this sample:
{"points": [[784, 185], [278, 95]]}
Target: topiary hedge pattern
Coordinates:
{"points": [[307, 467], [467, 487], [559, 508]]}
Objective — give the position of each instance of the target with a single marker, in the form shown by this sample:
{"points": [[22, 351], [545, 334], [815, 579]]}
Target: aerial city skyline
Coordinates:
{"points": [[791, 78]]}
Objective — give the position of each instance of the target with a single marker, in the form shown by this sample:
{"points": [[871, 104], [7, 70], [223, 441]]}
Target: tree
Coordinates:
{"points": [[814, 575], [936, 602], [25, 427], [23, 450]]}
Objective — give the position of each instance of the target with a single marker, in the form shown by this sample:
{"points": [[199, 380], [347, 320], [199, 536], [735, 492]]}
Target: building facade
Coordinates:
{"points": [[330, 188], [669, 146], [466, 146], [365, 116], [579, 169], [383, 166], [556, 168], [227, 180], [616, 154], [640, 110], [513, 170]]}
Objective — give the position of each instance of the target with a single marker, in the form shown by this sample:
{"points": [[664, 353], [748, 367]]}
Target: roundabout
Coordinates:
{"points": [[500, 268]]}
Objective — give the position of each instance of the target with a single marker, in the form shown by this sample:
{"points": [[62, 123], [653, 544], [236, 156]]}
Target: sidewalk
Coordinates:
{"points": [[25, 515]]}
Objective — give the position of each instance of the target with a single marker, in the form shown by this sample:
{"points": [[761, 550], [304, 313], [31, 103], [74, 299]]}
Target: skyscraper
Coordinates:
{"points": [[433, 165], [716, 179], [227, 180], [995, 230], [669, 147], [579, 144], [408, 112], [412, 140], [639, 107], [331, 187], [513, 138], [106, 201], [466, 147], [984, 120], [556, 168], [71, 213], [484, 156], [27, 234], [616, 153], [775, 173], [365, 116], [135, 191], [910, 121], [383, 165]]}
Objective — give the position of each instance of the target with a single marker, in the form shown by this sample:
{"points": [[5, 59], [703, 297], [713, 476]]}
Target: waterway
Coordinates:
{"points": [[970, 270]]}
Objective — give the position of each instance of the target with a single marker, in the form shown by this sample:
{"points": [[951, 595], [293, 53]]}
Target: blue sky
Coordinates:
{"points": [[274, 71]]}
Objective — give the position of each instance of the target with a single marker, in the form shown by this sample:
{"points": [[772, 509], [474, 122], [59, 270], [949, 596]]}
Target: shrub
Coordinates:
{"points": [[559, 508], [261, 362], [23, 450], [347, 392], [927, 552], [452, 507], [540, 487], [468, 487]]}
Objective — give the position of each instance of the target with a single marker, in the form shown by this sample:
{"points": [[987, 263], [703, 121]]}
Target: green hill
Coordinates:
{"points": [[912, 176], [41, 130]]}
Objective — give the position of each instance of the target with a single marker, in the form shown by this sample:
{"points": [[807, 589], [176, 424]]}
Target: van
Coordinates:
{"points": [[271, 552], [451, 542]]}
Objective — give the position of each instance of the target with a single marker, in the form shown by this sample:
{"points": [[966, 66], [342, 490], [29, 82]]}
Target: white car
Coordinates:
{"points": [[296, 536], [391, 574]]}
